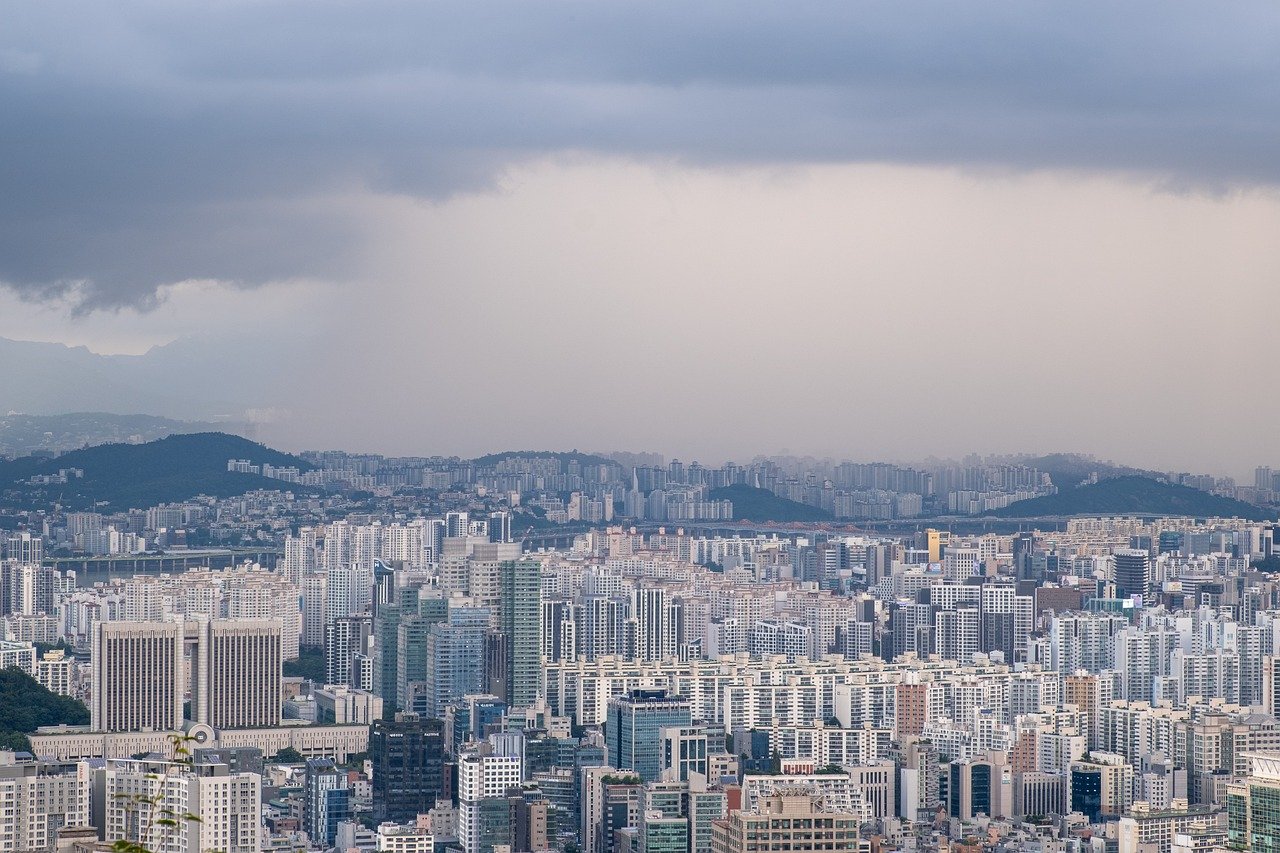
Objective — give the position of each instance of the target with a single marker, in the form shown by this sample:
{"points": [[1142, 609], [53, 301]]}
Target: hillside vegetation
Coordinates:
{"points": [[1133, 496], [128, 476], [25, 705], [752, 504]]}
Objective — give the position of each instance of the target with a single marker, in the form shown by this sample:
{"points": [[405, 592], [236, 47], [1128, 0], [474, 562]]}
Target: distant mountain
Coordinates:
{"points": [[22, 435], [128, 476], [200, 378], [1133, 495], [563, 457], [1068, 470], [752, 504]]}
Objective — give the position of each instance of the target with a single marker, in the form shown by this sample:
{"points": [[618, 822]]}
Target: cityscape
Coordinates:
{"points": [[536, 651], [546, 426]]}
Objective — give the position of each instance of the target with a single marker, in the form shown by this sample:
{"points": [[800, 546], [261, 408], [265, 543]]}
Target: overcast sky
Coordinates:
{"points": [[869, 230]]}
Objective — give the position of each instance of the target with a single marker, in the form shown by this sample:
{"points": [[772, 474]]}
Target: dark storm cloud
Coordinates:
{"points": [[142, 144]]}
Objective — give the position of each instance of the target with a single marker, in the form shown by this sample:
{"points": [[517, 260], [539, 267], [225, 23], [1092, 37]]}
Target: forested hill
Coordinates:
{"points": [[142, 475], [1133, 496]]}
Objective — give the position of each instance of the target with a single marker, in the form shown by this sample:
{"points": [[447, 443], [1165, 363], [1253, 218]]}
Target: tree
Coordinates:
{"points": [[153, 814], [288, 755]]}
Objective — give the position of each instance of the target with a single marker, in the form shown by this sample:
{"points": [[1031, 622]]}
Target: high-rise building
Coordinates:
{"points": [[229, 806], [455, 658], [238, 671], [37, 798], [408, 767], [314, 594], [139, 677], [521, 625], [24, 547], [344, 639], [1253, 806], [633, 733], [484, 775], [326, 801], [1133, 573]]}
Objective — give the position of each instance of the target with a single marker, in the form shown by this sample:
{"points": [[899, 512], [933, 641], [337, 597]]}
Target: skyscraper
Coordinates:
{"points": [[237, 681], [1133, 573], [408, 767], [138, 676], [521, 626], [455, 658], [633, 734], [326, 801]]}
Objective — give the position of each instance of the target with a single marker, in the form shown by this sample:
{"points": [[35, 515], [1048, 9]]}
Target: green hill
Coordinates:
{"points": [[1133, 496], [752, 504], [25, 705], [141, 475], [1069, 470]]}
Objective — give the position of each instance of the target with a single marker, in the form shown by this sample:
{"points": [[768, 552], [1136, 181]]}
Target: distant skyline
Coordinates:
{"points": [[720, 230]]}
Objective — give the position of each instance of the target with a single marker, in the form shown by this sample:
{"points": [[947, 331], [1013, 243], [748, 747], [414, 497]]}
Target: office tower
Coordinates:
{"points": [[408, 767], [976, 786], [500, 526], [228, 804], [684, 752], [237, 673], [326, 801], [413, 665], [787, 821], [1133, 574], [139, 679], [37, 798], [455, 658], [633, 732], [470, 720], [663, 826], [484, 775], [386, 635], [1100, 786], [521, 625], [1253, 813]]}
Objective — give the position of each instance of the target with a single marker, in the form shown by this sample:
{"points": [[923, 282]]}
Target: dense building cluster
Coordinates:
{"points": [[1108, 684]]}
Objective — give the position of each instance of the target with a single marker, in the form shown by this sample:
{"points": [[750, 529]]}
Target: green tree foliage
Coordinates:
{"points": [[25, 705], [152, 816], [141, 475], [309, 665], [754, 504], [1136, 495], [288, 755]]}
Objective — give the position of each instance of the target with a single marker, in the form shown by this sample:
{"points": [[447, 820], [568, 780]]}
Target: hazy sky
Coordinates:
{"points": [[872, 230]]}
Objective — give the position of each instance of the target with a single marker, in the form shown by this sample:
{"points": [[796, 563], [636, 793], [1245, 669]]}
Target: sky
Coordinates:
{"points": [[863, 230]]}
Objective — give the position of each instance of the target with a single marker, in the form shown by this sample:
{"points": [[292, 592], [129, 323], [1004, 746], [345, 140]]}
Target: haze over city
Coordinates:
{"points": [[862, 231]]}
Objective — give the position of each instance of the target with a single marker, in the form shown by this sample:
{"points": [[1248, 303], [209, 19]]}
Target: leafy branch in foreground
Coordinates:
{"points": [[151, 810]]}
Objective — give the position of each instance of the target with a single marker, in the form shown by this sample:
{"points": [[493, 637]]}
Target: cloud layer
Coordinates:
{"points": [[145, 144]]}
